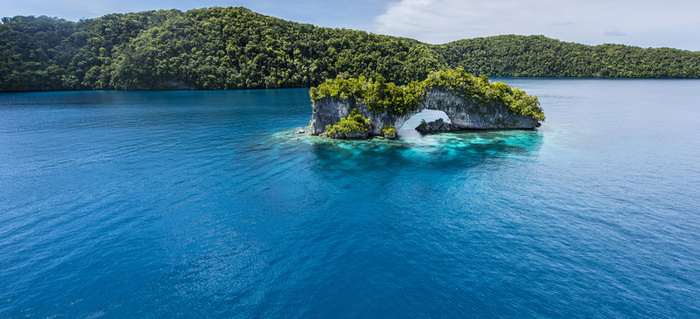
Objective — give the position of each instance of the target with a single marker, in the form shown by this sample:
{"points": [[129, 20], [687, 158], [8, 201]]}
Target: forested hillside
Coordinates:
{"points": [[230, 48], [539, 56], [216, 48]]}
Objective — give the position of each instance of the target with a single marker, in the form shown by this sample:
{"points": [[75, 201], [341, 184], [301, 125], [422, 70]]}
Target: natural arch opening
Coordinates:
{"points": [[408, 129]]}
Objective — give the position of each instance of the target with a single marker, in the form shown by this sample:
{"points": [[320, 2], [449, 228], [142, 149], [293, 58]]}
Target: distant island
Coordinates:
{"points": [[235, 48], [360, 108]]}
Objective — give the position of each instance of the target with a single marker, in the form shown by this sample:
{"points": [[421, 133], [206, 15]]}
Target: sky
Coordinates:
{"points": [[644, 23]]}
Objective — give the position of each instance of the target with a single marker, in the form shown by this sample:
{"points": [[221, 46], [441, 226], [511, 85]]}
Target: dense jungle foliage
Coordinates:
{"points": [[216, 48], [230, 48], [539, 56], [380, 95]]}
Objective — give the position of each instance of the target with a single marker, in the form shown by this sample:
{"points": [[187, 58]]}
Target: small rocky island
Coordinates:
{"points": [[362, 108]]}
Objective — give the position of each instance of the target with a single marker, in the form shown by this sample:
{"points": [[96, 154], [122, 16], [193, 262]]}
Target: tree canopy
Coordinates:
{"points": [[235, 48], [539, 56], [380, 96]]}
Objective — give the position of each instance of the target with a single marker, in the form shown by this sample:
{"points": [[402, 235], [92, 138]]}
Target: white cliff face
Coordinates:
{"points": [[328, 111], [463, 114], [474, 115]]}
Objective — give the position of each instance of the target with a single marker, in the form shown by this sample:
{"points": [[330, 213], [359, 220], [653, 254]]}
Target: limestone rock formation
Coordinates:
{"points": [[438, 125], [464, 114]]}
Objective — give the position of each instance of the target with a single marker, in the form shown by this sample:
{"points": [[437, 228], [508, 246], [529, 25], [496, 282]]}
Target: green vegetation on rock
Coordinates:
{"points": [[380, 96], [423, 124], [389, 131], [352, 126]]}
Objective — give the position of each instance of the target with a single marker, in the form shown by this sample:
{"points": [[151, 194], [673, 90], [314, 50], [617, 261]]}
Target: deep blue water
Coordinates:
{"points": [[205, 204]]}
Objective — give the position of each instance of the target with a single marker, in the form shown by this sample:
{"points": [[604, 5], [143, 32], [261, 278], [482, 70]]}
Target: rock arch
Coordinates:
{"points": [[428, 115], [463, 114]]}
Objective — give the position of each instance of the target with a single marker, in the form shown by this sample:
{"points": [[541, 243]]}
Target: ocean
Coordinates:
{"points": [[189, 204]]}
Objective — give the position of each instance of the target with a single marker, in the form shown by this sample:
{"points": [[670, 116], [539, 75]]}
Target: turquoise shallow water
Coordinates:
{"points": [[208, 204]]}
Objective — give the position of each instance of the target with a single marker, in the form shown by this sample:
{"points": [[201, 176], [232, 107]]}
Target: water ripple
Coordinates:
{"points": [[179, 204]]}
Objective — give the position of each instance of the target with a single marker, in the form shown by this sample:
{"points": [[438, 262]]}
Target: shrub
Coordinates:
{"points": [[354, 125], [389, 131]]}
